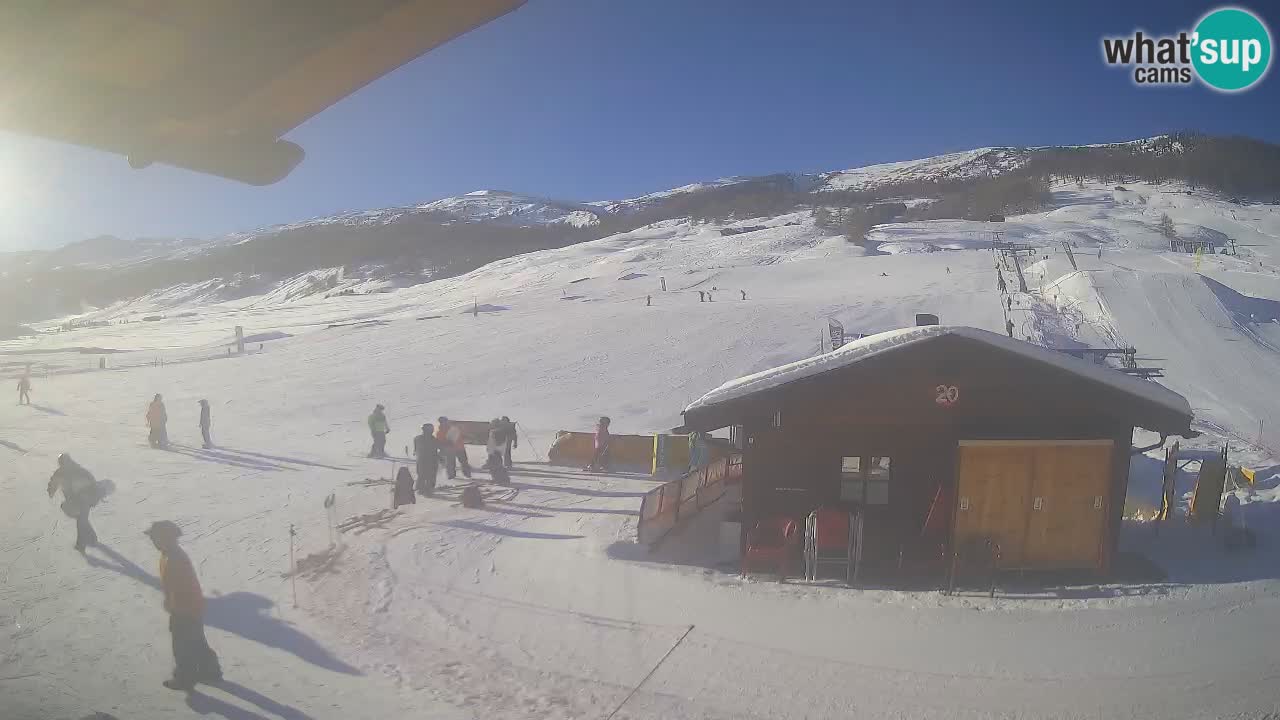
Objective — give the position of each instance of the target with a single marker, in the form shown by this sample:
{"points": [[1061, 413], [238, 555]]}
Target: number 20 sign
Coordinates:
{"points": [[946, 395]]}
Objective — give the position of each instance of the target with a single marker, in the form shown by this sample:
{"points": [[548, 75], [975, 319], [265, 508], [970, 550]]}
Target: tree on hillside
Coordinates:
{"points": [[823, 219], [1166, 226]]}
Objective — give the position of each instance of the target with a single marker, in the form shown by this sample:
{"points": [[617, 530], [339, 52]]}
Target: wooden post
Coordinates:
{"points": [[293, 567]]}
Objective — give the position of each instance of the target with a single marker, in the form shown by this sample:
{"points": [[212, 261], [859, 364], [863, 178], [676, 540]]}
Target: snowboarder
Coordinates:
{"points": [[512, 440], [204, 424], [495, 464], [402, 494], [24, 389], [157, 419], [454, 449], [378, 428], [427, 449], [80, 493], [194, 661], [600, 459]]}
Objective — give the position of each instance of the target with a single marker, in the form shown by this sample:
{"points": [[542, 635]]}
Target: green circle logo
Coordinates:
{"points": [[1232, 49]]}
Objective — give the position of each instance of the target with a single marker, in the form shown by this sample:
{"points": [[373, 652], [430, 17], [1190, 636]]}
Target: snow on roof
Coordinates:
{"points": [[873, 345]]}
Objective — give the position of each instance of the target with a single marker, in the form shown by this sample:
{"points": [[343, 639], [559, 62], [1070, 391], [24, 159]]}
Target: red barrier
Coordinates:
{"points": [[667, 505]]}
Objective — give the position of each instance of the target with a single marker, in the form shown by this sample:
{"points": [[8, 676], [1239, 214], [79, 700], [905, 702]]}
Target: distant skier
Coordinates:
{"points": [[698, 451], [157, 420], [194, 661], [378, 428], [493, 448], [744, 294], [24, 389], [403, 492], [205, 423], [454, 449], [427, 449], [600, 458], [1008, 301], [1008, 327], [80, 493], [512, 440], [648, 300], [702, 296]]}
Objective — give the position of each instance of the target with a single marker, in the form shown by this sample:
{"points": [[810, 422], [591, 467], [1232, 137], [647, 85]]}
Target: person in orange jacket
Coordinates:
{"points": [[194, 661], [452, 448]]}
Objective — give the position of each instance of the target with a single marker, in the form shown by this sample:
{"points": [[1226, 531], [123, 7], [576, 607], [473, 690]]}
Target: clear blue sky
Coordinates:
{"points": [[594, 99]]}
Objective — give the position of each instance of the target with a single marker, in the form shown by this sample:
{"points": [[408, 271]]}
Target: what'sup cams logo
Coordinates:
{"points": [[1229, 50]]}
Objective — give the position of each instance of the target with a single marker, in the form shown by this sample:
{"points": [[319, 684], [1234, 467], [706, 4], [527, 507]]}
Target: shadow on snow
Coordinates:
{"points": [[240, 613]]}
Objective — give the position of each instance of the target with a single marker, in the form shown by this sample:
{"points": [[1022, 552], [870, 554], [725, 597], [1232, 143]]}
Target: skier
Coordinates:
{"points": [[744, 294], [701, 296], [403, 492], [1008, 301], [157, 418], [378, 428], [80, 493], [494, 463], [455, 450], [493, 443], [24, 389], [600, 459], [512, 440], [697, 451], [204, 423], [648, 300], [1008, 327], [427, 449], [194, 661]]}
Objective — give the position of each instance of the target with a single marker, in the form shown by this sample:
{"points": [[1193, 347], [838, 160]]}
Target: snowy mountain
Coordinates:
{"points": [[980, 163], [403, 245]]}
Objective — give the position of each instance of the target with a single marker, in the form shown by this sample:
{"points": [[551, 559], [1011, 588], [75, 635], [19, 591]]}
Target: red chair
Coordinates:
{"points": [[771, 541], [828, 540]]}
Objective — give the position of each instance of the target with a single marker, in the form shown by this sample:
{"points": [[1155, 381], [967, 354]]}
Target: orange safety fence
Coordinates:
{"points": [[666, 505]]}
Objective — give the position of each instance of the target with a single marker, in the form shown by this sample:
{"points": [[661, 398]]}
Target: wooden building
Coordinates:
{"points": [[943, 437]]}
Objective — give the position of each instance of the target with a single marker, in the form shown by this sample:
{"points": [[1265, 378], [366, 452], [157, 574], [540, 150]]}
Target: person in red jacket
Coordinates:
{"points": [[194, 661], [600, 458]]}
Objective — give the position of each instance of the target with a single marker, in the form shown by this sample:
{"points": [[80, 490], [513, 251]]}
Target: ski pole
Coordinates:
{"points": [[525, 435]]}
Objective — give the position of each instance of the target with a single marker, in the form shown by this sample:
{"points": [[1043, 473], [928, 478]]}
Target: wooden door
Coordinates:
{"points": [[993, 497], [1068, 508]]}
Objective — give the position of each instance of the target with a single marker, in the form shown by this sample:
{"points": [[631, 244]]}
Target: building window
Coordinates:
{"points": [[866, 479]]}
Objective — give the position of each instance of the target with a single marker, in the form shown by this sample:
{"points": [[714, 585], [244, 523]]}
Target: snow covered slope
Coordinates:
{"points": [[982, 162], [541, 606]]}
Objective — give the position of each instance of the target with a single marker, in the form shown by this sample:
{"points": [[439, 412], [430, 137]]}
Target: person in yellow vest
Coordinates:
{"points": [[194, 661], [378, 428]]}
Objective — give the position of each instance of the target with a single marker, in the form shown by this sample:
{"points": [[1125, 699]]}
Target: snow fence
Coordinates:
{"points": [[666, 506]]}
